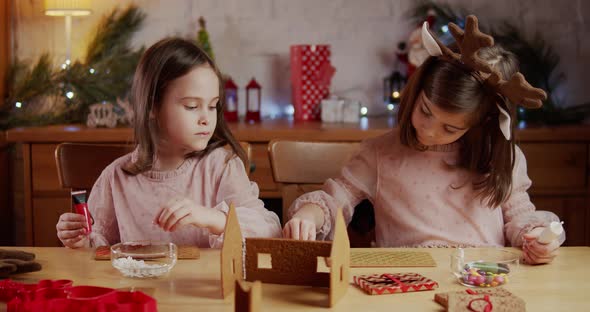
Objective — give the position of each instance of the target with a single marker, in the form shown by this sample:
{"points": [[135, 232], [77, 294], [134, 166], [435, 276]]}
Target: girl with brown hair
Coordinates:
{"points": [[179, 174], [450, 174]]}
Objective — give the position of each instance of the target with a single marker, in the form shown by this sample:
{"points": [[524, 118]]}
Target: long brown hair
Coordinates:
{"points": [[165, 61], [456, 89]]}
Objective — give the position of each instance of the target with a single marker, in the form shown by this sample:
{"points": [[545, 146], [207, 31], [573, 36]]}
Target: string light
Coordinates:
{"points": [[66, 64], [395, 94], [290, 110], [91, 70], [18, 104], [390, 106], [70, 95], [364, 111], [445, 28]]}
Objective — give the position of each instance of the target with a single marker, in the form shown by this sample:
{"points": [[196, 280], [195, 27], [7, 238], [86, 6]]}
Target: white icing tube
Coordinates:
{"points": [[553, 231]]}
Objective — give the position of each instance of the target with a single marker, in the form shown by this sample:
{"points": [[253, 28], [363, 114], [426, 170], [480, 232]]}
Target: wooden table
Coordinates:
{"points": [[194, 284]]}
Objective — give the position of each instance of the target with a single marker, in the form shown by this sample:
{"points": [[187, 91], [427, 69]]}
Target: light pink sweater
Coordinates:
{"points": [[124, 206], [417, 202]]}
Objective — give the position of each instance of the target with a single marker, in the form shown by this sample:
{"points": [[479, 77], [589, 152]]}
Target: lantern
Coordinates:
{"points": [[231, 101], [253, 101], [392, 88]]}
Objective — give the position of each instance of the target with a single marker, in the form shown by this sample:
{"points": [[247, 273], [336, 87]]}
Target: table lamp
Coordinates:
{"points": [[67, 8]]}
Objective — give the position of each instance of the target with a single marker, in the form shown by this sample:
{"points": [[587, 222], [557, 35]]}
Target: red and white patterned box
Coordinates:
{"points": [[311, 73], [380, 284]]}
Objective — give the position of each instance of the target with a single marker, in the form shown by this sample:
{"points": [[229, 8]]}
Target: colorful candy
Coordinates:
{"points": [[485, 274]]}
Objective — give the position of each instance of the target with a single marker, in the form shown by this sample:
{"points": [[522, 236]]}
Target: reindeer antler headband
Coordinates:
{"points": [[516, 89]]}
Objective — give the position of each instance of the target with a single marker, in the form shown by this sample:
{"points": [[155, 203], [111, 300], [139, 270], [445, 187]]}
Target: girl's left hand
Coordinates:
{"points": [[183, 211], [535, 252]]}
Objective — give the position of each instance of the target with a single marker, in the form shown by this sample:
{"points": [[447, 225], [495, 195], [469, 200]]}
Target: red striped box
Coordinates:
{"points": [[393, 283], [311, 72]]}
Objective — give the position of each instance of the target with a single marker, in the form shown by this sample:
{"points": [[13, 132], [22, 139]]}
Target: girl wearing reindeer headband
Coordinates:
{"points": [[450, 174]]}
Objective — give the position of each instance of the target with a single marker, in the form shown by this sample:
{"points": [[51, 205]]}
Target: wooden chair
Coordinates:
{"points": [[248, 164], [300, 167], [291, 161], [80, 164]]}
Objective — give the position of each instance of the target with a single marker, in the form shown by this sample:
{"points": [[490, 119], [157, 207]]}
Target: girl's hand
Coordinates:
{"points": [[299, 228], [535, 252], [71, 230], [304, 224], [183, 211]]}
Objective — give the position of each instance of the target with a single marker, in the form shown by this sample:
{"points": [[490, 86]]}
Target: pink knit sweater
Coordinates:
{"points": [[420, 201], [124, 206]]}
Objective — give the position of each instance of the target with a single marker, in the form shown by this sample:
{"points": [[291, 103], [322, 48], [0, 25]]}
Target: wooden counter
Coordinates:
{"points": [[558, 164], [195, 284], [280, 128]]}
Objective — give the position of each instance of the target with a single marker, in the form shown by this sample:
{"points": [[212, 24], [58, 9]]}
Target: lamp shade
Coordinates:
{"points": [[67, 7]]}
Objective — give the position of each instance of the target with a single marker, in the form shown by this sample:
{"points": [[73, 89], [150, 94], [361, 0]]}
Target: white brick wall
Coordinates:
{"points": [[252, 37]]}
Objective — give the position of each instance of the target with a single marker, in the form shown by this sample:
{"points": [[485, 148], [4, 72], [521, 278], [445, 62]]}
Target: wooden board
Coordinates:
{"points": [[184, 253], [367, 259]]}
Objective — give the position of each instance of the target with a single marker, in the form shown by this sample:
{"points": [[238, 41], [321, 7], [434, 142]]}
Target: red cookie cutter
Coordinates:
{"points": [[60, 295]]}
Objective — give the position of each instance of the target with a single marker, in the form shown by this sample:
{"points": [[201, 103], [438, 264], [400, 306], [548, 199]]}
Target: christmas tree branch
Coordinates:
{"points": [[113, 34]]}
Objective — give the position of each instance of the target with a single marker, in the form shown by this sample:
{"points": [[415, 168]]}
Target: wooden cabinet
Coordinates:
{"points": [[6, 226], [558, 163], [572, 210], [561, 167], [46, 212], [559, 172]]}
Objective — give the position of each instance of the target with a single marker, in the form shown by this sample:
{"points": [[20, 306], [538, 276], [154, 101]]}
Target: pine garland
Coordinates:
{"points": [[105, 75], [538, 60], [114, 34]]}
